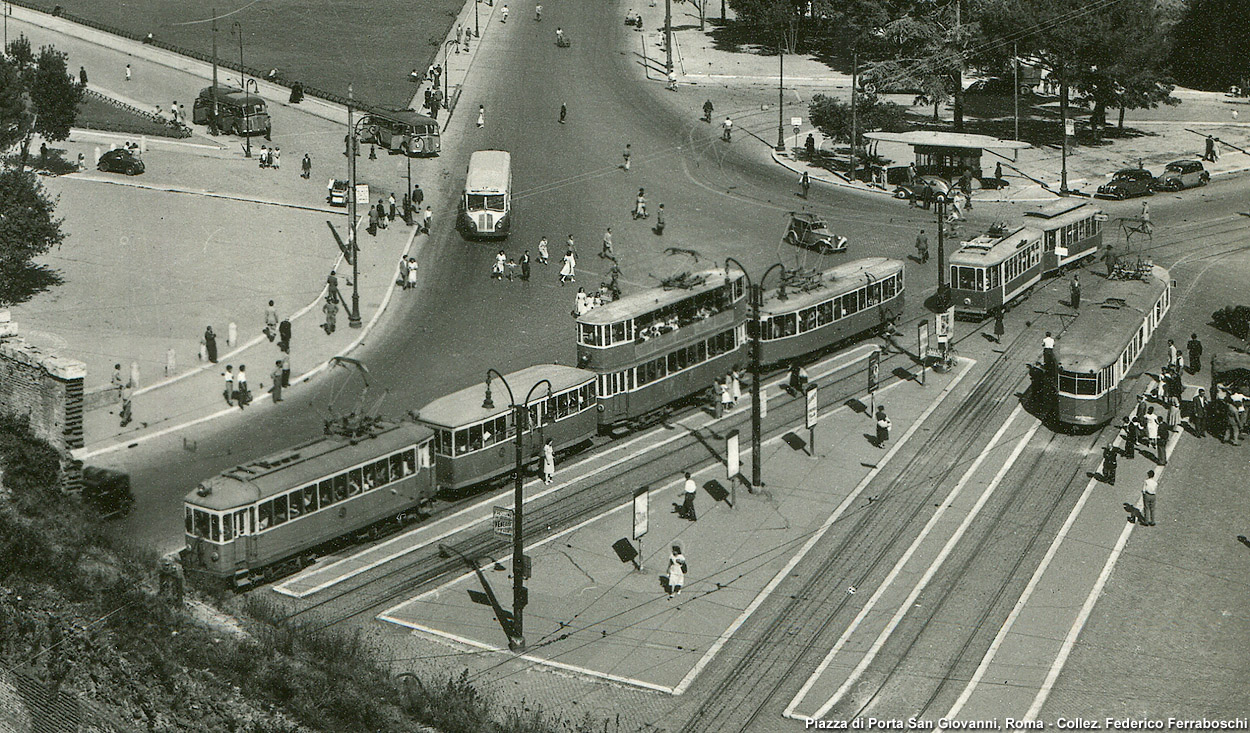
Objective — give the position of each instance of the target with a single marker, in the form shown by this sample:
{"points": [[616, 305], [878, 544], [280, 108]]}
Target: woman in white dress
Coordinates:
{"points": [[549, 462], [580, 306], [735, 386], [568, 270], [412, 273], [676, 571]]}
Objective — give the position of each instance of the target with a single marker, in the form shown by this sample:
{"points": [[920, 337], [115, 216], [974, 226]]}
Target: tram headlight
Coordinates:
{"points": [[215, 557], [967, 301]]}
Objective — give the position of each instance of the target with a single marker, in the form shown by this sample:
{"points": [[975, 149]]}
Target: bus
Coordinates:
{"points": [[486, 209], [664, 344], [475, 428], [238, 112], [839, 304], [402, 131], [994, 269], [275, 515], [1071, 231], [1094, 354]]}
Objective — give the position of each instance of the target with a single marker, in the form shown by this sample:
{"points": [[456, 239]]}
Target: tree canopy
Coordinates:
{"points": [[832, 116], [28, 228], [1211, 47], [37, 96]]}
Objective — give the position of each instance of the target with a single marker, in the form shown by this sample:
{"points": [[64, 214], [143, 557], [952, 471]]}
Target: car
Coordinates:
{"points": [[1181, 174], [810, 231], [1127, 183], [924, 188], [996, 87], [336, 192], [121, 160]]}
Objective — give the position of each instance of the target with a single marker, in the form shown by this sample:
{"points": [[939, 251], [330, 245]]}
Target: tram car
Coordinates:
{"points": [[1097, 350], [994, 269], [839, 304], [1071, 231], [475, 428], [663, 344], [263, 519]]}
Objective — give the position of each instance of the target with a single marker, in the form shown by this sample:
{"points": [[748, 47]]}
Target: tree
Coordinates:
{"points": [[27, 229], [779, 16], [48, 96], [833, 116], [1211, 47]]}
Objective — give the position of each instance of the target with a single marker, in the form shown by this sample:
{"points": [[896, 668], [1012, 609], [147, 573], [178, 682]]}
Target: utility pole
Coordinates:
{"points": [[668, 38], [781, 77], [353, 317], [854, 99], [943, 290], [212, 122], [1015, 63], [959, 69], [1063, 121]]}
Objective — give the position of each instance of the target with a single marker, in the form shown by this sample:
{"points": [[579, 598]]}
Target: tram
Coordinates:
{"points": [[663, 344], [1071, 231], [993, 269], [841, 303], [475, 428], [1096, 352], [273, 515]]}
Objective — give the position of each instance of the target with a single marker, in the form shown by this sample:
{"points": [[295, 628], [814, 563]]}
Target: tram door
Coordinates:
{"points": [[245, 521]]}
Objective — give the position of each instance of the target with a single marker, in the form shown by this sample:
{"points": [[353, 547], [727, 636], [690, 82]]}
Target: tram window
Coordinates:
{"points": [[397, 461], [874, 294], [838, 310], [227, 527], [995, 281], [325, 492], [216, 524], [354, 481], [279, 509], [824, 313], [965, 278], [888, 288], [340, 487], [369, 478], [619, 333], [309, 496], [1087, 384], [423, 455], [586, 334], [1067, 383], [588, 394], [475, 437], [462, 441], [266, 515], [381, 472], [850, 303], [240, 522], [190, 522], [563, 406], [531, 415], [808, 318], [605, 385], [294, 503], [201, 524], [790, 323]]}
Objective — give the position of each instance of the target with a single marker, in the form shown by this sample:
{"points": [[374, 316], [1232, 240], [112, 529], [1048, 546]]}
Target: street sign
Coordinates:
{"points": [[810, 421], [874, 370], [640, 512], [922, 346], [732, 459], [796, 121], [1069, 127], [362, 196], [501, 521], [763, 403]]}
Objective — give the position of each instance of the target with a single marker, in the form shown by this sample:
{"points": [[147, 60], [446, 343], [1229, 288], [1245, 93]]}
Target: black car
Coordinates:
{"points": [[121, 161], [1127, 183], [1182, 174]]}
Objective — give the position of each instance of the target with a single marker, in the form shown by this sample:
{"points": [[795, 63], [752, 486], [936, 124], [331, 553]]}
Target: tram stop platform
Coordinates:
{"points": [[592, 613]]}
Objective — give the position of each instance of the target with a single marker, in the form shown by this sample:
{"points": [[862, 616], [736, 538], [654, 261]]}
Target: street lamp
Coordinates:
{"points": [[781, 77], [477, 27], [516, 640], [447, 71], [941, 199], [353, 314], [237, 28], [757, 302]]}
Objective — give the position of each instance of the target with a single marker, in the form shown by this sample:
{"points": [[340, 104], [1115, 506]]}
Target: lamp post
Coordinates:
{"points": [[781, 78], [237, 29], [353, 314], [447, 71], [943, 289], [668, 39], [477, 27], [757, 302], [516, 640]]}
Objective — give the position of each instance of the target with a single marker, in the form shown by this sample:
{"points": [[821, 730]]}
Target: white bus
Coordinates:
{"points": [[486, 209]]}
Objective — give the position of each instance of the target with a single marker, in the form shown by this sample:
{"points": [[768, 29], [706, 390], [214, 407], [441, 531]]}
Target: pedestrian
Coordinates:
{"points": [[676, 571], [305, 166], [883, 427], [275, 158], [707, 110], [1131, 432], [1074, 292], [504, 12], [1172, 352], [581, 302], [689, 491], [626, 155], [127, 393], [285, 364], [549, 462], [726, 397], [1172, 419], [1194, 347], [805, 182], [381, 214], [418, 196], [406, 205], [640, 205], [564, 112], [276, 376], [373, 222], [1110, 457], [922, 247], [543, 256], [117, 381], [998, 172], [1232, 429], [412, 274], [496, 269], [127, 72], [210, 344], [538, 12], [659, 220], [727, 128], [1151, 421], [426, 217], [568, 270], [392, 209], [242, 394], [672, 81], [284, 335], [810, 146], [525, 265], [82, 76], [735, 385], [999, 327], [403, 272], [481, 116], [271, 322], [332, 286], [1145, 211], [606, 252], [1150, 487], [331, 309], [1198, 413], [1208, 155], [228, 392], [1048, 351], [1110, 259]]}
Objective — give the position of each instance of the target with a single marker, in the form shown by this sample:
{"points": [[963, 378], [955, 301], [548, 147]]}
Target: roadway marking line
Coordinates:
{"points": [[896, 570], [811, 542], [489, 501], [932, 571]]}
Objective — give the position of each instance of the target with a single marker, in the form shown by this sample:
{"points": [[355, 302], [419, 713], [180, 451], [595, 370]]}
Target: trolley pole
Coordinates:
{"points": [[353, 317]]}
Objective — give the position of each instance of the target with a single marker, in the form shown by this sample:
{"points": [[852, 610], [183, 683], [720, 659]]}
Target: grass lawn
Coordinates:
{"points": [[371, 44], [96, 114]]}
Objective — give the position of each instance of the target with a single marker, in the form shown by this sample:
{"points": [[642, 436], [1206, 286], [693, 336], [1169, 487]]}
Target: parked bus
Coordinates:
{"points": [[832, 307], [994, 269], [1071, 231], [402, 131], [486, 209], [663, 344], [475, 439], [238, 112]]}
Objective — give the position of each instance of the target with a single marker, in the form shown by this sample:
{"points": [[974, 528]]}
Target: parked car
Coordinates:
{"points": [[121, 161], [1181, 174], [336, 192], [996, 86], [924, 188], [1127, 183]]}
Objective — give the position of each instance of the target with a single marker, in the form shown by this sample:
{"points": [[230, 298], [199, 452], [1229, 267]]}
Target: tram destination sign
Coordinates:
{"points": [[502, 521]]}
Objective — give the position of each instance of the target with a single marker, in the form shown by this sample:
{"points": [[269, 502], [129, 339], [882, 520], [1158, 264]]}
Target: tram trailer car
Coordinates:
{"points": [[475, 438], [848, 301], [1071, 231], [663, 345], [1096, 352], [994, 269], [261, 519]]}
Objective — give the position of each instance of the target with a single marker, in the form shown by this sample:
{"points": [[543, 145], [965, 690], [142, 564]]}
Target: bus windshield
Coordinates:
{"points": [[487, 202]]}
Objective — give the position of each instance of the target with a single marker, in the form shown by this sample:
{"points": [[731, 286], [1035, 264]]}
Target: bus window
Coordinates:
{"points": [[325, 492]]}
